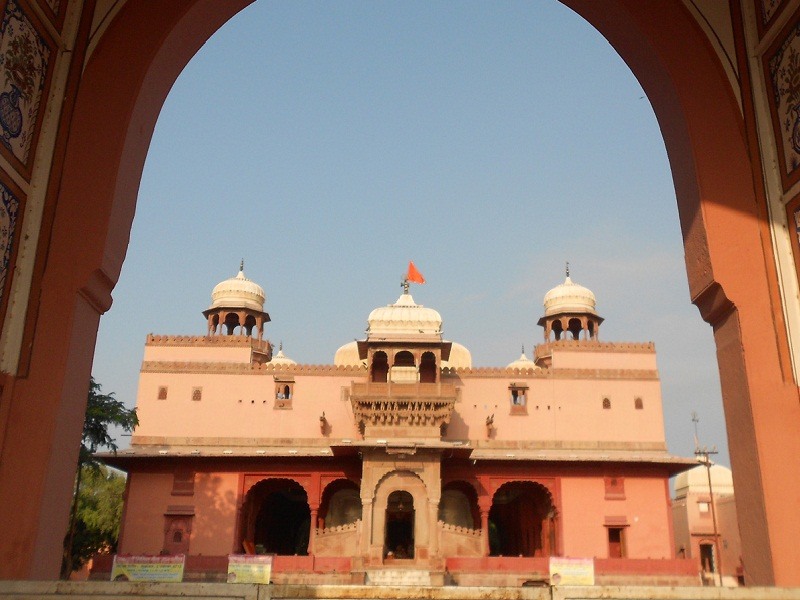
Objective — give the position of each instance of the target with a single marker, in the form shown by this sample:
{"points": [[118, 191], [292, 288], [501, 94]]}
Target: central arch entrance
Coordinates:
{"points": [[400, 521]]}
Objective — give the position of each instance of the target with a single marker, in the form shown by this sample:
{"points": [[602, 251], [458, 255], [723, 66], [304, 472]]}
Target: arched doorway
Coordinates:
{"points": [[716, 178], [400, 526], [277, 518], [340, 505], [522, 521]]}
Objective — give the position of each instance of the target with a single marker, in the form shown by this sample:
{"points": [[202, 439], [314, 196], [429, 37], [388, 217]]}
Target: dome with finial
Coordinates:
{"points": [[280, 358], [404, 319], [238, 292], [569, 297], [523, 363]]}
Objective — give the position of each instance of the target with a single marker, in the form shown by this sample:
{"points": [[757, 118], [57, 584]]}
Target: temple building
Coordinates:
{"points": [[705, 523], [401, 458]]}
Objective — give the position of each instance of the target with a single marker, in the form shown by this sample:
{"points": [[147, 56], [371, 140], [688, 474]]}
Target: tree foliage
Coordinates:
{"points": [[98, 512], [97, 500], [103, 411]]}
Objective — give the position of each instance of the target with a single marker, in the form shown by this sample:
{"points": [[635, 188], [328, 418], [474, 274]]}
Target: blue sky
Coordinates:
{"points": [[329, 143]]}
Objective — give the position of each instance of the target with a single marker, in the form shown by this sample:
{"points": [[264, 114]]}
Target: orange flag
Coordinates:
{"points": [[413, 275]]}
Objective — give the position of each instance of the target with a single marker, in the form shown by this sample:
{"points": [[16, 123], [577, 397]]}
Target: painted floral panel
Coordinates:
{"points": [[784, 80], [24, 57], [9, 208]]}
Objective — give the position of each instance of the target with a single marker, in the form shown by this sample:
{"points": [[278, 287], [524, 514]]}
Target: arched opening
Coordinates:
{"points": [[427, 368], [557, 329], [341, 504], [277, 518], [707, 146], [231, 323], [379, 371], [399, 533], [249, 325], [522, 521], [575, 328], [459, 505], [404, 369]]}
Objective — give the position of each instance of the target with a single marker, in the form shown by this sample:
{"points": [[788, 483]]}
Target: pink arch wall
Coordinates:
{"points": [[119, 96]]}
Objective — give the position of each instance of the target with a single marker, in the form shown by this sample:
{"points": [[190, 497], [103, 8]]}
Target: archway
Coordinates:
{"points": [[101, 148], [277, 518], [522, 521], [400, 526], [340, 504]]}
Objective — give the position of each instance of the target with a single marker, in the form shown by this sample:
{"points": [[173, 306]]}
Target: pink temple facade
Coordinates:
{"points": [[400, 456]]}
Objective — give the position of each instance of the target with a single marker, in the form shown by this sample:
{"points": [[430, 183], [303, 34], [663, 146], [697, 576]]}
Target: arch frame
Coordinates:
{"points": [[104, 138]]}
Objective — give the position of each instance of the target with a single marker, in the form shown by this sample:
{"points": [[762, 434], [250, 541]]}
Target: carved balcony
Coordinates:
{"points": [[403, 404]]}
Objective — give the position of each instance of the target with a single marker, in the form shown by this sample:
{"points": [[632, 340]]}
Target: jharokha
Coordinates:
{"points": [[401, 457]]}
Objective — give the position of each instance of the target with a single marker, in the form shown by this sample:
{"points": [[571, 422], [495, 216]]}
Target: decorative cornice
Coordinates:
{"points": [[594, 346], [502, 373], [206, 341], [223, 368]]}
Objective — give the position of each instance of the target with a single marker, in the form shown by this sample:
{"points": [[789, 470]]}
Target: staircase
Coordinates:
{"points": [[398, 577]]}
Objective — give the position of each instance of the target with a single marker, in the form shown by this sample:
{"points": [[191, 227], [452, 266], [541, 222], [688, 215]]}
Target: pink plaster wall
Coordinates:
{"points": [[564, 358], [197, 354], [241, 405], [585, 509]]}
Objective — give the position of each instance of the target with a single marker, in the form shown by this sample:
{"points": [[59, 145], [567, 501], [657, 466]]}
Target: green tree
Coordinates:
{"points": [[97, 497], [98, 511]]}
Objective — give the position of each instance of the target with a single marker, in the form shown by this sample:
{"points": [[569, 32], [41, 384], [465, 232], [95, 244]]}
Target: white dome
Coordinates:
{"points": [[238, 292], [348, 356], [523, 363], [460, 358], [569, 297], [695, 481], [281, 359], [404, 319]]}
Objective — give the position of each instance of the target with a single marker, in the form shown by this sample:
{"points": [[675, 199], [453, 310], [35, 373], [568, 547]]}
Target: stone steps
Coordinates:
{"points": [[399, 577]]}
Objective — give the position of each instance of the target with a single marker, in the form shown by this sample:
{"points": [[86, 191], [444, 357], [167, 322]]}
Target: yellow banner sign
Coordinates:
{"points": [[249, 568], [148, 568], [571, 571]]}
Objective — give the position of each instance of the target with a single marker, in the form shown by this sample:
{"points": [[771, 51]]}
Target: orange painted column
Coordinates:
{"points": [[91, 199], [729, 261]]}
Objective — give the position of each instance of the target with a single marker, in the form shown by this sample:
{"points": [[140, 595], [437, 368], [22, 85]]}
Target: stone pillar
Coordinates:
{"points": [[485, 530], [366, 525], [312, 534], [433, 519]]}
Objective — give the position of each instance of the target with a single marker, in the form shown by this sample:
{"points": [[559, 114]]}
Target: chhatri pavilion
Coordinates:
{"points": [[401, 458]]}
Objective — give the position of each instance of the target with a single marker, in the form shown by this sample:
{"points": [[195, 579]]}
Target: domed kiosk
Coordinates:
{"points": [[569, 312], [237, 304]]}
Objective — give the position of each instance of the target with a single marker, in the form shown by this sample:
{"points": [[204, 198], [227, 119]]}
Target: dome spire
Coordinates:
{"points": [[567, 269], [241, 267]]}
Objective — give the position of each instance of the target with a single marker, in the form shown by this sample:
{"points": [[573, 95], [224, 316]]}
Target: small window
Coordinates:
{"points": [[197, 394], [704, 507], [638, 404], [606, 403], [615, 488], [177, 537], [183, 483], [518, 396], [616, 542], [284, 391], [162, 392]]}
